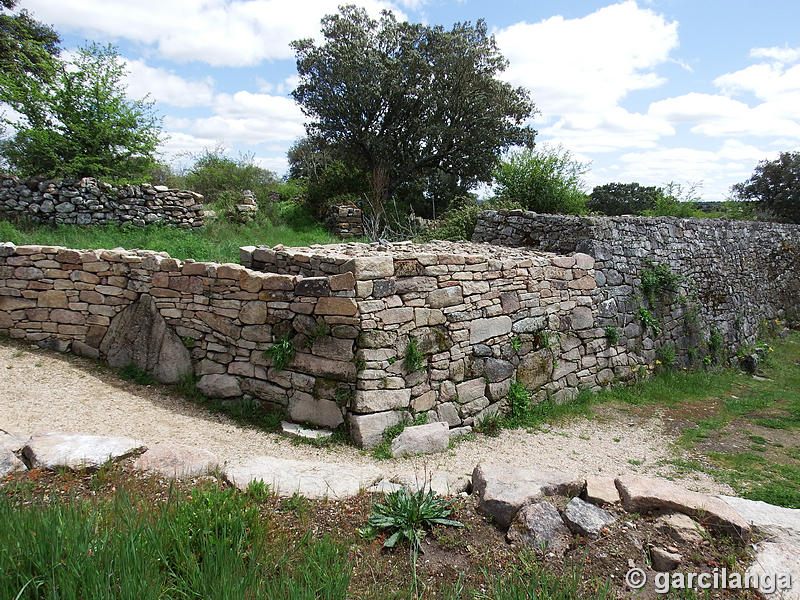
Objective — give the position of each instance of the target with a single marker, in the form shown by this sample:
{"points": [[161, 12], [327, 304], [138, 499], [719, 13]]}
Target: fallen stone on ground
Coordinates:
{"points": [[776, 523], [218, 385], [772, 559], [663, 560], [601, 490], [295, 430], [642, 493], [12, 442], [311, 479], [421, 439], [540, 526], [177, 461], [585, 518], [76, 450], [680, 527], [502, 490], [9, 463]]}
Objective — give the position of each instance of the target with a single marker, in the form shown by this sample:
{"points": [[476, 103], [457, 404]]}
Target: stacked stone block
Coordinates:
{"points": [[734, 274], [346, 221], [89, 202], [481, 315], [226, 315]]}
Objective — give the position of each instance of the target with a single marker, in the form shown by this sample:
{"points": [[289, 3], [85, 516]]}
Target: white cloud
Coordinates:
{"points": [[588, 64], [217, 32], [784, 54], [579, 70], [731, 162], [276, 164], [166, 87], [178, 147], [247, 118]]}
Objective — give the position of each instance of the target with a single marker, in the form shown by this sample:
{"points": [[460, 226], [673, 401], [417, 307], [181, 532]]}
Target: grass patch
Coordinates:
{"points": [[218, 241], [208, 544]]}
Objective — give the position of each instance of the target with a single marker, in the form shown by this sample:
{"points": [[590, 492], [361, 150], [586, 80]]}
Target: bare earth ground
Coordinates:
{"points": [[45, 391]]}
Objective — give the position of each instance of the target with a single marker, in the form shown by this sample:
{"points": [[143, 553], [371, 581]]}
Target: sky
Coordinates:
{"points": [[690, 91]]}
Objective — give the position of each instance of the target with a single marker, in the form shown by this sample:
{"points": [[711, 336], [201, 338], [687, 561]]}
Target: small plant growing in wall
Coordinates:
{"points": [[658, 280], [188, 342], [516, 343], [612, 335], [648, 320], [281, 353], [320, 330], [414, 359], [519, 402]]}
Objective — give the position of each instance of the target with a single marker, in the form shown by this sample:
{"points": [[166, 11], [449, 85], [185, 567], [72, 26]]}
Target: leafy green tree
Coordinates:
{"points": [[401, 101], [615, 199], [775, 185], [26, 46], [548, 180], [79, 123]]}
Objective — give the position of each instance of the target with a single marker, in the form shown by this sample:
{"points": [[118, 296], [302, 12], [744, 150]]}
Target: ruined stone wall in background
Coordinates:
{"points": [[89, 202], [733, 274]]}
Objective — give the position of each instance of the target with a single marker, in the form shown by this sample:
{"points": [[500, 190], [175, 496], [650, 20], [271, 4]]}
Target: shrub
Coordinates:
{"points": [[222, 179], [458, 222], [519, 402], [612, 335], [658, 279], [548, 180]]}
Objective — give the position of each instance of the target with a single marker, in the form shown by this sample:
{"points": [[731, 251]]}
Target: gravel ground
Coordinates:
{"points": [[44, 391]]}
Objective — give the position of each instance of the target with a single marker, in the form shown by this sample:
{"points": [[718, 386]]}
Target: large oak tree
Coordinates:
{"points": [[404, 101]]}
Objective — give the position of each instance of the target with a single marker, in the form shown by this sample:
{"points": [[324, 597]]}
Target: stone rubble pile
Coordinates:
{"points": [[90, 202]]}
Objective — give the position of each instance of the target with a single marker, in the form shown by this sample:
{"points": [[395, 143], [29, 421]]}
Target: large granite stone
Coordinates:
{"points": [[642, 493], [503, 489], [77, 451], [9, 463], [540, 526], [367, 430], [311, 479], [421, 439], [776, 523], [177, 461], [139, 335], [777, 567], [586, 519]]}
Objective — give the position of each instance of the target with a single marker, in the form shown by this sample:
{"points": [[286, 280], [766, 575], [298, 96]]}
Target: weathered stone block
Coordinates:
{"points": [[366, 401], [484, 329]]}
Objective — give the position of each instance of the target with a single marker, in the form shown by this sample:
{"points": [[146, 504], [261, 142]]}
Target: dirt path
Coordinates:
{"points": [[45, 391]]}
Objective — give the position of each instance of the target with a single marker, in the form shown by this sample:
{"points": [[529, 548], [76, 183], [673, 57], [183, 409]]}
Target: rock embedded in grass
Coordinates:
{"points": [[586, 519], [502, 489], [77, 451], [642, 493], [9, 463], [177, 461], [540, 526]]}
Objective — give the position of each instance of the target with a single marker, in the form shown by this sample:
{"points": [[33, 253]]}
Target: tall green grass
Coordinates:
{"points": [[218, 241], [212, 544]]}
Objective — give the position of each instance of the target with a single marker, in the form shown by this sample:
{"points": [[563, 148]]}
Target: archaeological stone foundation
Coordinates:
{"points": [[90, 202], [532, 299]]}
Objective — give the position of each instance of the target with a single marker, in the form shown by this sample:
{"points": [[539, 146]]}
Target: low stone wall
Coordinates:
{"points": [[169, 317], [89, 202], [734, 274], [480, 315]]}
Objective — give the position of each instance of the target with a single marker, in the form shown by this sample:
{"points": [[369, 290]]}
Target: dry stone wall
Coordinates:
{"points": [[480, 315], [734, 274], [89, 202], [224, 316], [346, 221]]}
